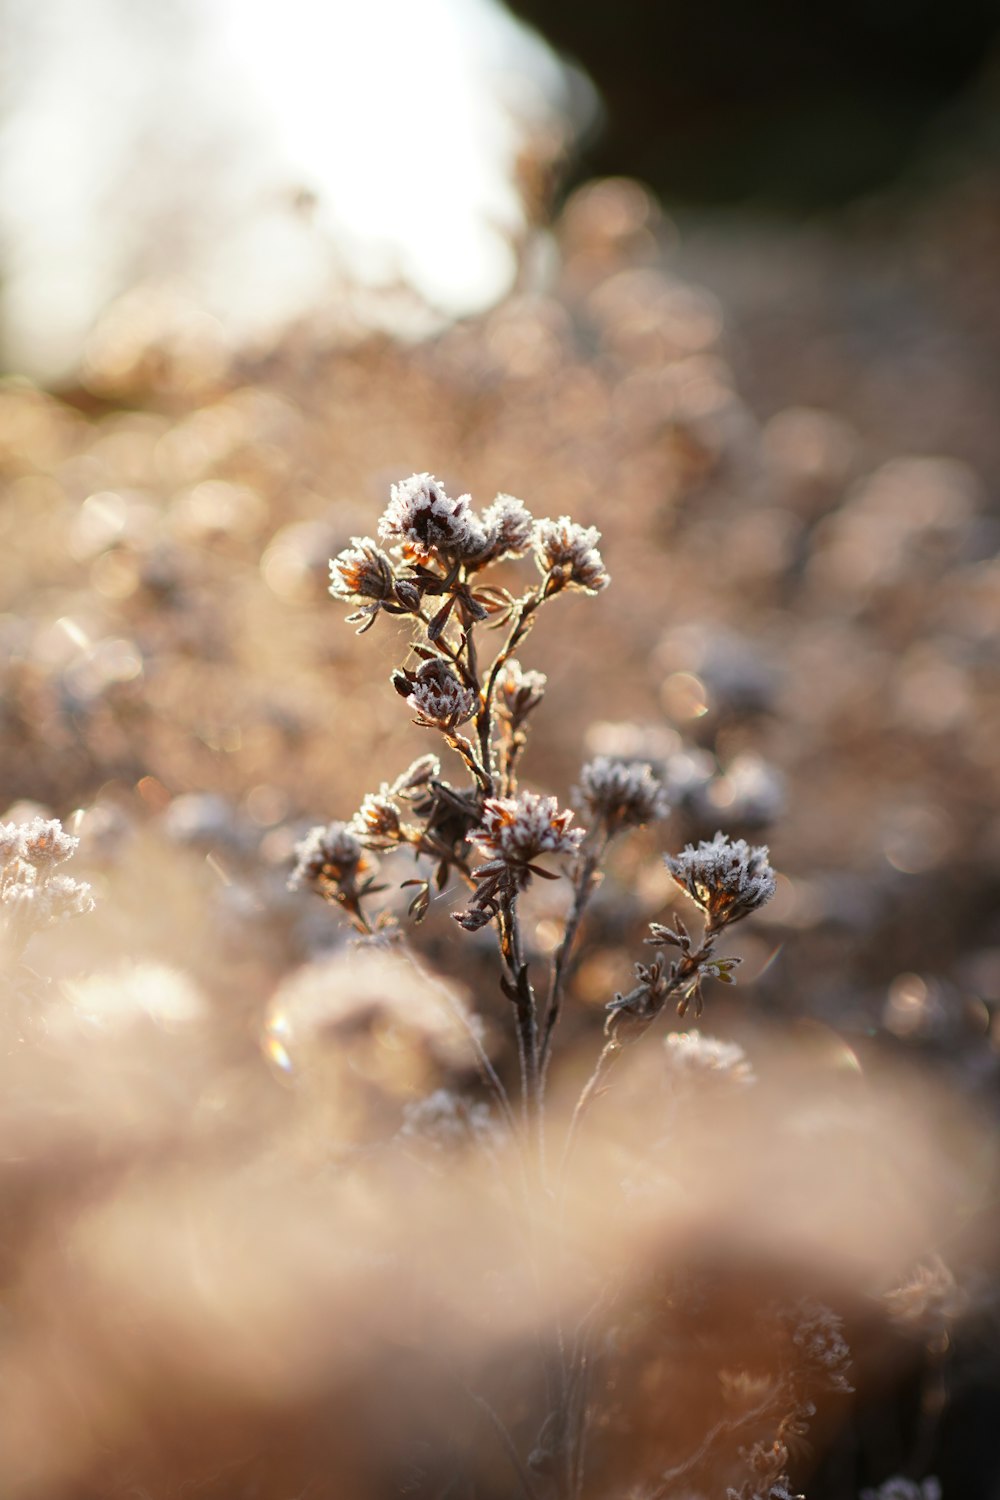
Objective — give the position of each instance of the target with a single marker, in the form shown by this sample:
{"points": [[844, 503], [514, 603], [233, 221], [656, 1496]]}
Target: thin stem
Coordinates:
{"points": [[464, 747], [519, 629], [486, 1067], [725, 1424], [524, 1478], [610, 1051], [523, 998], [583, 890]]}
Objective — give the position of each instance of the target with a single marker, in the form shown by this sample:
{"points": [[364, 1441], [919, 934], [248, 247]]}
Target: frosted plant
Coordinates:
{"points": [[32, 895], [480, 840]]}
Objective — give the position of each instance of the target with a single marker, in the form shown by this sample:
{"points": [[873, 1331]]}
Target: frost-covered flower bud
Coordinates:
{"points": [[376, 822], [416, 776], [518, 692], [425, 522], [11, 842], [516, 830], [509, 527], [362, 571], [44, 844], [329, 855], [727, 878], [567, 554], [622, 793], [436, 693]]}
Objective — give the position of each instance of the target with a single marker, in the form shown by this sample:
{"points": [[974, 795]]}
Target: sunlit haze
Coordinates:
{"points": [[256, 152]]}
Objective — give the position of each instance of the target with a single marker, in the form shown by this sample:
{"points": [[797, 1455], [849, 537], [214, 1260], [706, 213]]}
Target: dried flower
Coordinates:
{"points": [[691, 1053], [44, 844], [329, 856], [436, 693], [377, 821], [518, 692], [728, 879], [930, 1297], [509, 527], [817, 1333], [31, 895], [622, 793], [415, 778], [362, 571], [364, 574], [426, 523], [516, 830], [567, 554]]}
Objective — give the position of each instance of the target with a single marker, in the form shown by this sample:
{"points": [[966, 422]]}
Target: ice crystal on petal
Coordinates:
{"points": [[567, 554], [727, 878]]}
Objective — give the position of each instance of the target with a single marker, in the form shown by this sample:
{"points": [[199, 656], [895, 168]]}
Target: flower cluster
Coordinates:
{"points": [[32, 896], [567, 555], [727, 878], [622, 793]]}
